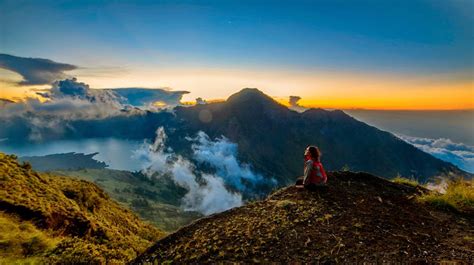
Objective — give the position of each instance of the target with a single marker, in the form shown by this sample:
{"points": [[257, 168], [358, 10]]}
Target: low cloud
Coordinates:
{"points": [[35, 71], [40, 120], [207, 193], [459, 154], [293, 101], [70, 100], [146, 97], [221, 155], [215, 179], [119, 97]]}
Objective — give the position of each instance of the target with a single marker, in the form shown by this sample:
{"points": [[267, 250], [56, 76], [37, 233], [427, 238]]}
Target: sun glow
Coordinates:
{"points": [[317, 89]]}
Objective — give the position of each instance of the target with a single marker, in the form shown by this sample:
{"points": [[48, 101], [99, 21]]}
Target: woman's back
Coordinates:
{"points": [[314, 174]]}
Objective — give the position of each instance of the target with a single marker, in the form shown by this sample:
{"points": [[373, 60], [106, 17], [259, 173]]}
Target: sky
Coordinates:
{"points": [[415, 55]]}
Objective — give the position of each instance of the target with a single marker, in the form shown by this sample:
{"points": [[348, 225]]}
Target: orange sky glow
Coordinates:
{"points": [[320, 89]]}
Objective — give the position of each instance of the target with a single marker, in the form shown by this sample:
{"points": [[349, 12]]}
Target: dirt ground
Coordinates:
{"points": [[359, 218]]}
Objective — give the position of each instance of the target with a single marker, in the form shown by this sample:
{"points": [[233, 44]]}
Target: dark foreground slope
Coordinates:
{"points": [[359, 218], [51, 219]]}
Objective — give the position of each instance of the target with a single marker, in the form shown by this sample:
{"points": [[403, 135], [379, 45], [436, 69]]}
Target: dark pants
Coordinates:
{"points": [[299, 181], [311, 186]]}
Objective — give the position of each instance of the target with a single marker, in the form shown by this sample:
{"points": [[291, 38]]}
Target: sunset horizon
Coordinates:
{"points": [[329, 92], [406, 55], [236, 131]]}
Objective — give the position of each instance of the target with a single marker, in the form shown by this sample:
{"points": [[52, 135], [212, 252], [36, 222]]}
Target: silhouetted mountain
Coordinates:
{"points": [[359, 218], [272, 138]]}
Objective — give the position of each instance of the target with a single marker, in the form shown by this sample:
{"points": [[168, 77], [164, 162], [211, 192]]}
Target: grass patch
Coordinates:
{"points": [[459, 196], [21, 241], [406, 181]]}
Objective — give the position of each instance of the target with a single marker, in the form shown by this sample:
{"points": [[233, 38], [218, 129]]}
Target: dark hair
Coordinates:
{"points": [[315, 153]]}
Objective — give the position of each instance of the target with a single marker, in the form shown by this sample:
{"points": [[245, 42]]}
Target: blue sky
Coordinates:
{"points": [[401, 36], [412, 39]]}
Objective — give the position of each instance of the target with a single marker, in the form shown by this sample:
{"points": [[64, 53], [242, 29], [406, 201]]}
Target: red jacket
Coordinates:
{"points": [[314, 172]]}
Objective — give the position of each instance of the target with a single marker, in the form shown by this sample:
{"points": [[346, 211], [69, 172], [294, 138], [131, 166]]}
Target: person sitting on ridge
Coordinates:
{"points": [[314, 174]]}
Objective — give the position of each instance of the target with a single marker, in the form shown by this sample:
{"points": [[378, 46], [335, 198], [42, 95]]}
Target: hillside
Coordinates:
{"points": [[272, 138], [154, 200], [359, 218], [54, 219]]}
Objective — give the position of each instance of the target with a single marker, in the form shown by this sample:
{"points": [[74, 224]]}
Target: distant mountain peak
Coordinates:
{"points": [[250, 94]]}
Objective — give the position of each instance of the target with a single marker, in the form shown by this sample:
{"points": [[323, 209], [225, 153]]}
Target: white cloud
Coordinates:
{"points": [[207, 193], [459, 154], [221, 155], [69, 100]]}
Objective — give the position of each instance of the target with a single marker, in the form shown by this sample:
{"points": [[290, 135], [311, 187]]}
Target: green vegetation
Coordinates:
{"points": [[459, 196], [154, 200], [50, 219], [406, 181], [345, 168], [21, 240]]}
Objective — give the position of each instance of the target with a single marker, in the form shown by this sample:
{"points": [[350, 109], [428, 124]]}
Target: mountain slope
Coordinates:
{"points": [[359, 218], [272, 138], [155, 200], [76, 220]]}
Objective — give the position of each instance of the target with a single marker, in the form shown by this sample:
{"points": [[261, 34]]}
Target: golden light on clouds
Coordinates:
{"points": [[317, 89], [10, 90]]}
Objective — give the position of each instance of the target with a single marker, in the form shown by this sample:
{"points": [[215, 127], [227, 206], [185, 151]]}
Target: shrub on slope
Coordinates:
{"points": [[88, 225]]}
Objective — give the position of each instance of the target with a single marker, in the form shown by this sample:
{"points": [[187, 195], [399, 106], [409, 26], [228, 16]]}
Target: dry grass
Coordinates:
{"points": [[406, 181], [459, 196], [22, 242]]}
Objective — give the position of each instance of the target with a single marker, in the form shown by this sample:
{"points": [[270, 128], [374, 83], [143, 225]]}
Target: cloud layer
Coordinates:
{"points": [[146, 97], [38, 71], [459, 154], [207, 192], [70, 100], [35, 71], [221, 155]]}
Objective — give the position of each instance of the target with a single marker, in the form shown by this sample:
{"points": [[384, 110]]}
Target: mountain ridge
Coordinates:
{"points": [[272, 138]]}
